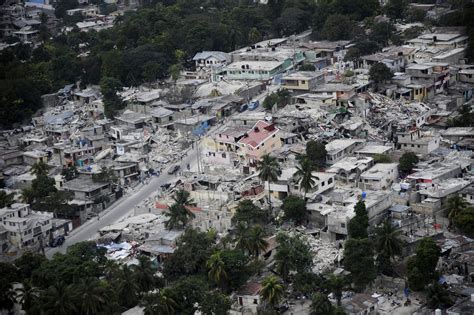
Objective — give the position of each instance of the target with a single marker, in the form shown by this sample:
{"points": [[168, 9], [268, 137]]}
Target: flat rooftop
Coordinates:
{"points": [[303, 75]]}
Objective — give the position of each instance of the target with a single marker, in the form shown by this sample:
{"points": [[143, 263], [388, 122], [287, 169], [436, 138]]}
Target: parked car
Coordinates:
{"points": [[57, 241], [173, 169]]}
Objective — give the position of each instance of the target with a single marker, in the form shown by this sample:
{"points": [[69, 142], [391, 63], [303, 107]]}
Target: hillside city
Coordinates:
{"points": [[237, 157]]}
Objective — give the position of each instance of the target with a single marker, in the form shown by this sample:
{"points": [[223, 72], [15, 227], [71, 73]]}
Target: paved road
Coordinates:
{"points": [[122, 208]]}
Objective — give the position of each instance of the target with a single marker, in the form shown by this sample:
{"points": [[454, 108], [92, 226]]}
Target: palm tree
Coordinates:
{"points": [[256, 240], [28, 297], [7, 297], [90, 295], [337, 284], [6, 200], [438, 297], [58, 300], [27, 195], [269, 170], [143, 274], [320, 305], [111, 269], [179, 212], [271, 291], [216, 267], [455, 205], [39, 169], [127, 288], [241, 236], [304, 174], [387, 243], [162, 303]]}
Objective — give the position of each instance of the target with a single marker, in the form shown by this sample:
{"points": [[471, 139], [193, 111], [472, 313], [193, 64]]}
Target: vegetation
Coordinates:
{"points": [[316, 153], [407, 162], [382, 158], [179, 212], [295, 209], [422, 266], [304, 174], [268, 170], [248, 213], [438, 297], [465, 118], [387, 246], [280, 98], [379, 73], [272, 291], [293, 254], [358, 249]]}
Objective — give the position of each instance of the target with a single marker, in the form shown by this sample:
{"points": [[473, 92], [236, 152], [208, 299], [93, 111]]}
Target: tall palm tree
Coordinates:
{"points": [[241, 236], [304, 174], [28, 297], [162, 303], [90, 296], [40, 168], [337, 284], [256, 240], [387, 243], [110, 269], [216, 267], [143, 274], [179, 212], [127, 288], [269, 170], [455, 205], [272, 290], [320, 305], [58, 300]]}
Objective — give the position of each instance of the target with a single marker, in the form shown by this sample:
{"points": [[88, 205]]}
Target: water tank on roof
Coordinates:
{"points": [[364, 194]]}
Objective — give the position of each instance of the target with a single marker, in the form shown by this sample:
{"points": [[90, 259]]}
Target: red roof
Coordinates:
{"points": [[259, 132]]}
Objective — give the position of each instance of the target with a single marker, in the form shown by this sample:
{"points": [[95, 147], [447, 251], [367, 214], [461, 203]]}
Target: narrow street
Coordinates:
{"points": [[122, 208]]}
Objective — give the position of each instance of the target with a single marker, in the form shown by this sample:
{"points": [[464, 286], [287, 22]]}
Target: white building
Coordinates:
{"points": [[415, 142], [381, 176], [26, 227], [339, 148]]}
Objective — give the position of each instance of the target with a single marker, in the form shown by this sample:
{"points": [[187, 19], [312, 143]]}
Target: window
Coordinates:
{"points": [[255, 301], [322, 184], [343, 225], [223, 155]]}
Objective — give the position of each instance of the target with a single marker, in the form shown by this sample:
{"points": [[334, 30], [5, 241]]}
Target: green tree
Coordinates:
{"points": [[295, 209], [382, 158], [254, 35], [40, 169], [454, 206], [281, 98], [272, 291], [320, 305], [304, 174], [180, 212], [305, 283], [293, 254], [422, 267], [126, 287], [465, 117], [28, 297], [438, 297], [336, 285], [247, 212], [217, 272], [90, 296], [143, 274], [387, 245], [395, 9], [338, 27], [109, 87], [357, 227], [307, 67], [382, 32], [464, 221], [256, 242], [163, 302], [359, 260], [6, 200], [268, 170], [193, 250], [407, 161], [69, 173], [58, 300], [380, 73], [316, 152]]}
